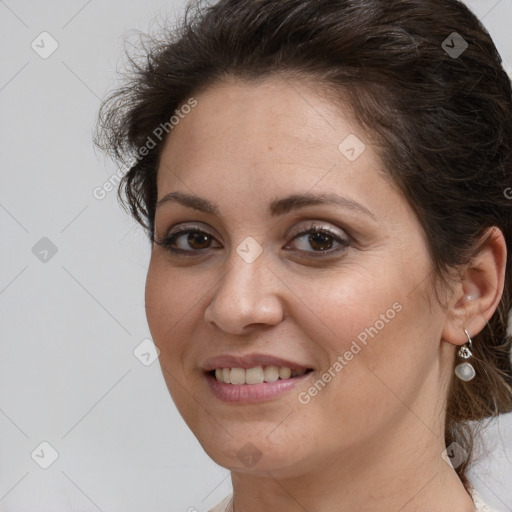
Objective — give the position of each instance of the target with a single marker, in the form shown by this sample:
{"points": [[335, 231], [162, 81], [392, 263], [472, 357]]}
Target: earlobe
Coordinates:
{"points": [[479, 292]]}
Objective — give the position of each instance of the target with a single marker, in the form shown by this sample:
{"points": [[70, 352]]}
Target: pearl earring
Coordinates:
{"points": [[465, 370]]}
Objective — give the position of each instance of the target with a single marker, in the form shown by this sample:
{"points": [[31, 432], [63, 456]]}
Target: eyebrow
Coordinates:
{"points": [[276, 208]]}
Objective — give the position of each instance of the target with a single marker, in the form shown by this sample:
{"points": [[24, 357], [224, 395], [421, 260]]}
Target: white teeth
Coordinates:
{"points": [[256, 375], [237, 376], [271, 373], [285, 373]]}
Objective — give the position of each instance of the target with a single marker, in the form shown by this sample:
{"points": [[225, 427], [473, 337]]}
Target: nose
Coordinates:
{"points": [[246, 297]]}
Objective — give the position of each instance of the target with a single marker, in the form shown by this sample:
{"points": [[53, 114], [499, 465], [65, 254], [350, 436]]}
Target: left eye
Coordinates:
{"points": [[194, 240], [321, 240]]}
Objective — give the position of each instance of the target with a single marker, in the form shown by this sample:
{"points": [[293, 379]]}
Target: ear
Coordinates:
{"points": [[479, 292]]}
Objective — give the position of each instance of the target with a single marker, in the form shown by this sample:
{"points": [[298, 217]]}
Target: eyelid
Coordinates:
{"points": [[290, 233], [315, 224], [343, 240], [183, 229], [186, 226]]}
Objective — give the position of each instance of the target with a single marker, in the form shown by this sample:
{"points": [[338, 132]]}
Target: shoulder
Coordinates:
{"points": [[223, 505], [480, 505]]}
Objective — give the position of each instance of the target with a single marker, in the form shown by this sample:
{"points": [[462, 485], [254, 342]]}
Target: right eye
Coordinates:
{"points": [[195, 241]]}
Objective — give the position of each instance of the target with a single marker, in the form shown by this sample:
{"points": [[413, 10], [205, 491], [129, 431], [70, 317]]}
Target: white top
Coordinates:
{"points": [[226, 506], [480, 506]]}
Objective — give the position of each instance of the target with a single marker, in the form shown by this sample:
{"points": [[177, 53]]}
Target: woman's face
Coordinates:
{"points": [[336, 287]]}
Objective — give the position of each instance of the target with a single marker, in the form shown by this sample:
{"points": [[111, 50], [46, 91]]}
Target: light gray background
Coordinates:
{"points": [[68, 374]]}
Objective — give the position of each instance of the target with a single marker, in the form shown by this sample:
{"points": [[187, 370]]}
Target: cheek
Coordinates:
{"points": [[381, 332], [346, 304], [372, 321], [158, 302], [167, 305], [170, 313]]}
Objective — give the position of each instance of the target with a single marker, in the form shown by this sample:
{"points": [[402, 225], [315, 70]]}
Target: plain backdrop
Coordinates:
{"points": [[76, 395]]}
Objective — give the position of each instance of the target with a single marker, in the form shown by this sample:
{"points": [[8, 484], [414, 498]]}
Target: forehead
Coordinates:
{"points": [[242, 127], [246, 145]]}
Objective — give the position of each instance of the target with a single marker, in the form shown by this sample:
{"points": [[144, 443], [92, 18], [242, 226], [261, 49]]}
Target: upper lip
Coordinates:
{"points": [[250, 361]]}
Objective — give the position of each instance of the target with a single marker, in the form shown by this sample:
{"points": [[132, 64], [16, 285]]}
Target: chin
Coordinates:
{"points": [[249, 454]]}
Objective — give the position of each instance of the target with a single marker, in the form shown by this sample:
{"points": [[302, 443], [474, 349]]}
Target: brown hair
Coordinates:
{"points": [[442, 121]]}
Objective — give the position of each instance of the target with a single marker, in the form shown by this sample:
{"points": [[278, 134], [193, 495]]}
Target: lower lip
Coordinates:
{"points": [[252, 393]]}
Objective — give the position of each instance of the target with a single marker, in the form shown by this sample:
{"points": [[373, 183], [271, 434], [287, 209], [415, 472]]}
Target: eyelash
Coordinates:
{"points": [[313, 229]]}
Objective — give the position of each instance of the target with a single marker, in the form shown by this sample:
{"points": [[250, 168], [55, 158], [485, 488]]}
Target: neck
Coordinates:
{"points": [[402, 470]]}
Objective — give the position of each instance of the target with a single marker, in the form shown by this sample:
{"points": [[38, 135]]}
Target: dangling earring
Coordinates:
{"points": [[465, 370]]}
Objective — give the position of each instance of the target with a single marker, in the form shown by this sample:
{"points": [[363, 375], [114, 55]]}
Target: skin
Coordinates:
{"points": [[372, 439]]}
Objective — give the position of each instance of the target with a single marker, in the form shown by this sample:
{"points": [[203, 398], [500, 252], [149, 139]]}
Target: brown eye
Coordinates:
{"points": [[320, 241], [198, 240], [187, 241]]}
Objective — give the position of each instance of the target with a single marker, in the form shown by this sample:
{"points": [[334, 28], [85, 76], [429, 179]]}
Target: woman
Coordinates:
{"points": [[325, 187]]}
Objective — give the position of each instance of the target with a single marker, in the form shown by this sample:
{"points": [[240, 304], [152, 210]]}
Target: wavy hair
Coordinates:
{"points": [[439, 113]]}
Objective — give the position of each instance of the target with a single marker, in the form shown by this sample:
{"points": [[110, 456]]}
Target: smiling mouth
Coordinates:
{"points": [[256, 375]]}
